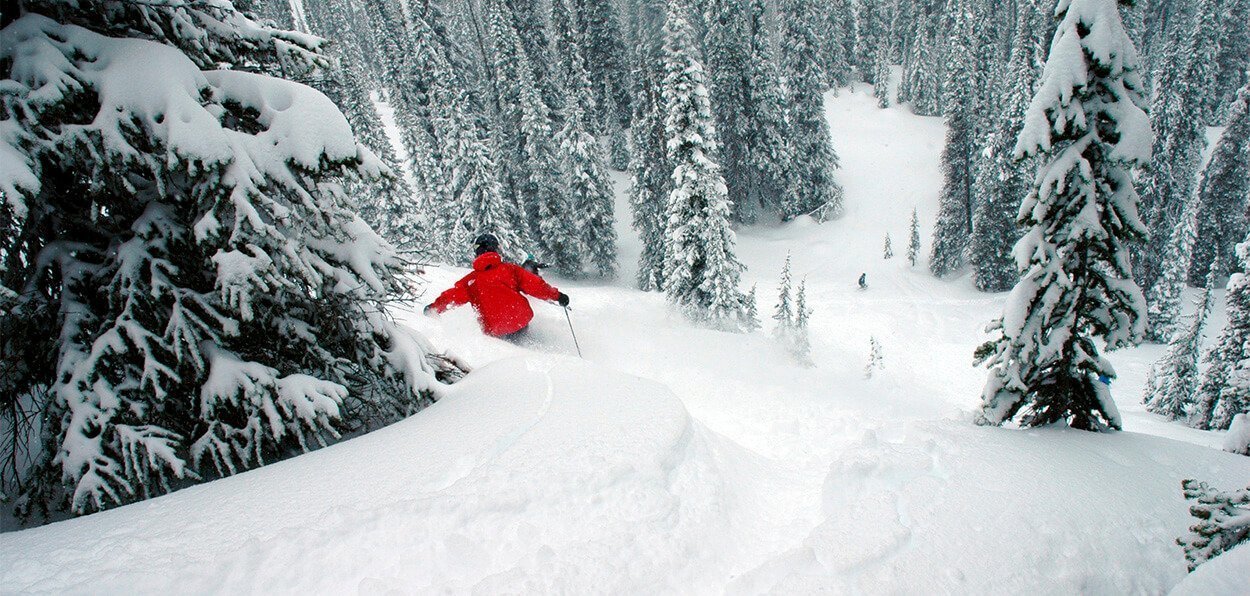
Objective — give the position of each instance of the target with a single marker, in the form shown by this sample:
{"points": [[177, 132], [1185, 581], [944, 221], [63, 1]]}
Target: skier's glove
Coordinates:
{"points": [[563, 300], [429, 310]]}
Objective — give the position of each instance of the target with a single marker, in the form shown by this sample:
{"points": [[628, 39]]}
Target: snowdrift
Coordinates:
{"points": [[542, 474]]}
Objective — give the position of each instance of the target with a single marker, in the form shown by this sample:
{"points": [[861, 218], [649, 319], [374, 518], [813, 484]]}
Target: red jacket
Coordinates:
{"points": [[494, 289]]}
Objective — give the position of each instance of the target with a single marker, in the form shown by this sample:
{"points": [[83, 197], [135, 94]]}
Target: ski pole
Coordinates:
{"points": [[573, 333]]}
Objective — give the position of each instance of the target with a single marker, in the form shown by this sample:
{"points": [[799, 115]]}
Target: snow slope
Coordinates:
{"points": [[679, 460]]}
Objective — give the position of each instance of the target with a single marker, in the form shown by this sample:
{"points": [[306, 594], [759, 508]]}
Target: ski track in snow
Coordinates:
{"points": [[541, 473]]}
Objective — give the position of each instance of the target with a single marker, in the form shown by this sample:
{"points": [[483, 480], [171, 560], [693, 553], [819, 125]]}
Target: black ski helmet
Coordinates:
{"points": [[485, 243]]}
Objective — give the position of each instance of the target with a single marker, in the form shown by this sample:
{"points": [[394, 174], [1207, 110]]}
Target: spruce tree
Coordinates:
{"points": [[783, 313], [953, 229], [1177, 119], [751, 312], [1223, 521], [1225, 387], [913, 240], [1164, 297], [701, 271], [606, 63], [1173, 379], [1224, 194], [800, 342], [875, 360], [870, 38], [1002, 180], [726, 49], [889, 248], [881, 79], [924, 66], [767, 150], [585, 176], [185, 285], [813, 190], [1087, 121], [1233, 62], [838, 42], [531, 155], [650, 171]]}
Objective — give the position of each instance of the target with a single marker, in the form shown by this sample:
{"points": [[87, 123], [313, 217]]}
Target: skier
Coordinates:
{"points": [[863, 281], [494, 288]]}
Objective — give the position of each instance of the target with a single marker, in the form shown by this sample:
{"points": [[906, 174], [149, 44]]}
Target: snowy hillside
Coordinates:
{"points": [[678, 460]]}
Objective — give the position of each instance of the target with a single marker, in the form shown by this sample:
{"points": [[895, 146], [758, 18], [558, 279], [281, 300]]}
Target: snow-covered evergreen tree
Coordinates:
{"points": [[838, 41], [187, 286], [701, 272], [618, 150], [953, 229], [881, 79], [1233, 62], [585, 176], [1163, 299], [650, 171], [606, 64], [800, 341], [913, 240], [1224, 194], [1223, 521], [767, 151], [871, 38], [1087, 121], [1002, 180], [783, 313], [1172, 381], [1225, 388], [813, 190], [889, 248], [876, 361], [924, 66], [751, 312], [531, 155], [727, 53], [1177, 119]]}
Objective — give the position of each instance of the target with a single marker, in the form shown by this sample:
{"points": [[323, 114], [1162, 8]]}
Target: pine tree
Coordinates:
{"points": [[783, 313], [1164, 297], [1002, 180], [751, 312], [1176, 117], [726, 49], [188, 296], [1225, 387], [1224, 194], [800, 342], [650, 170], [1172, 380], [954, 224], [1233, 62], [606, 64], [889, 248], [585, 176], [913, 240], [701, 272], [1223, 521], [881, 79], [838, 43], [924, 67], [531, 155], [870, 38], [767, 152], [1087, 121], [875, 360], [813, 190], [618, 150]]}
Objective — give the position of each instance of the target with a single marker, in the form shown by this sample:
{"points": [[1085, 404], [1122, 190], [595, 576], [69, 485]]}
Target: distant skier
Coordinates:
{"points": [[495, 288], [863, 281]]}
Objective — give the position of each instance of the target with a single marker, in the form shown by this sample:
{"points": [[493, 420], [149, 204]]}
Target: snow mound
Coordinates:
{"points": [[964, 510], [1224, 575], [541, 474]]}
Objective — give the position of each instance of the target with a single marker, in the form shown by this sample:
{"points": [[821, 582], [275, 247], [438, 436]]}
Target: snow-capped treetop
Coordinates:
{"points": [[1089, 28]]}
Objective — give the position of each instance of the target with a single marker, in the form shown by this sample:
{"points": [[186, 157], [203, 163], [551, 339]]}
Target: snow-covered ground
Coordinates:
{"points": [[677, 460]]}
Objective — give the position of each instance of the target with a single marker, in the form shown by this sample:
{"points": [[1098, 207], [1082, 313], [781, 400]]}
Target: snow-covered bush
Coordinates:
{"points": [[1238, 438], [184, 280], [1223, 521], [1224, 390]]}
